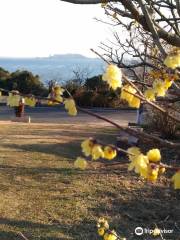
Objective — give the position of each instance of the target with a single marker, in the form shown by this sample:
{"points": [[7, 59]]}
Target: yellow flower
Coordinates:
{"points": [[13, 100], [152, 173], [154, 155], [156, 232], [139, 164], [101, 231], [113, 76], [50, 103], [109, 153], [87, 146], [173, 60], [110, 236], [70, 106], [150, 95], [130, 98], [69, 103], [102, 223], [80, 163], [59, 99], [162, 170], [159, 88], [30, 101], [167, 83], [97, 152], [135, 102], [176, 180], [72, 111], [133, 152], [58, 90], [125, 95], [56, 94]]}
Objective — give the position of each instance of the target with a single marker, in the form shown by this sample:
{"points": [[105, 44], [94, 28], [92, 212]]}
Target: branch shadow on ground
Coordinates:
{"points": [[145, 207], [34, 231], [64, 150]]}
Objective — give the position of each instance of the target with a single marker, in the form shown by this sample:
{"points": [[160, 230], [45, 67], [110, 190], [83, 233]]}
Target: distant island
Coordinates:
{"points": [[59, 67]]}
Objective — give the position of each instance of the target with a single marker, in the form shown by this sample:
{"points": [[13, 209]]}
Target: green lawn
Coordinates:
{"points": [[44, 197]]}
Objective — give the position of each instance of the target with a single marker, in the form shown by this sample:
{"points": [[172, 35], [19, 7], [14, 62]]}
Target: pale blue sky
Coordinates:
{"points": [[37, 28]]}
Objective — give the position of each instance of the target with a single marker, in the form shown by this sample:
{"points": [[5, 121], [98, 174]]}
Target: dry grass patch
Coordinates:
{"points": [[43, 196]]}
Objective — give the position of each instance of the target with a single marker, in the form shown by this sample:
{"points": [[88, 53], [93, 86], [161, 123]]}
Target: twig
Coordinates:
{"points": [[22, 235], [141, 135], [153, 105]]}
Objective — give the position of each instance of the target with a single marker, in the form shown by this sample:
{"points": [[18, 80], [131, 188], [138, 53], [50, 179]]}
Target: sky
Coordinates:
{"points": [[39, 28]]}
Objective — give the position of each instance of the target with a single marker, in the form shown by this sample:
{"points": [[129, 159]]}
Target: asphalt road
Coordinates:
{"points": [[59, 115]]}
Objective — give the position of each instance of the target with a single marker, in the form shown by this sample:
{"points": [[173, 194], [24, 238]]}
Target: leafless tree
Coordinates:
{"points": [[159, 18]]}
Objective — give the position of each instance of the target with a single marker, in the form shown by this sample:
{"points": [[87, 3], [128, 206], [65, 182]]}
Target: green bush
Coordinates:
{"points": [[23, 81]]}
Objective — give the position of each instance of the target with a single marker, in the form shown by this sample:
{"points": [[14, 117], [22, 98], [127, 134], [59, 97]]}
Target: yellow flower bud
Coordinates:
{"points": [[150, 95], [135, 102], [87, 146], [80, 163], [162, 170], [97, 152], [176, 180], [110, 236], [101, 231], [109, 153], [133, 152], [154, 155], [70, 106]]}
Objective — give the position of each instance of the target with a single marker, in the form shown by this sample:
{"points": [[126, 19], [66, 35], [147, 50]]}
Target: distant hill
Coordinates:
{"points": [[59, 67]]}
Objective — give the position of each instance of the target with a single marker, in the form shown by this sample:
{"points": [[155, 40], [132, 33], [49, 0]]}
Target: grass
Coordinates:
{"points": [[45, 198]]}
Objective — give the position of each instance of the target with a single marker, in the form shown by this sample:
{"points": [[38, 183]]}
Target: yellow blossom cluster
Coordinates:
{"points": [[145, 165], [127, 92], [159, 89], [173, 59], [103, 230], [56, 95], [163, 81], [30, 101], [91, 148], [70, 106], [113, 76], [163, 75], [13, 100]]}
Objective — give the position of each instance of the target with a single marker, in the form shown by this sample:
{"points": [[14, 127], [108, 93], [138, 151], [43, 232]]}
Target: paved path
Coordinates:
{"points": [[59, 116]]}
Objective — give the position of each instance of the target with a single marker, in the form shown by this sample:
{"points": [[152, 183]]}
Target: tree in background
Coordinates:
{"points": [[23, 81]]}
